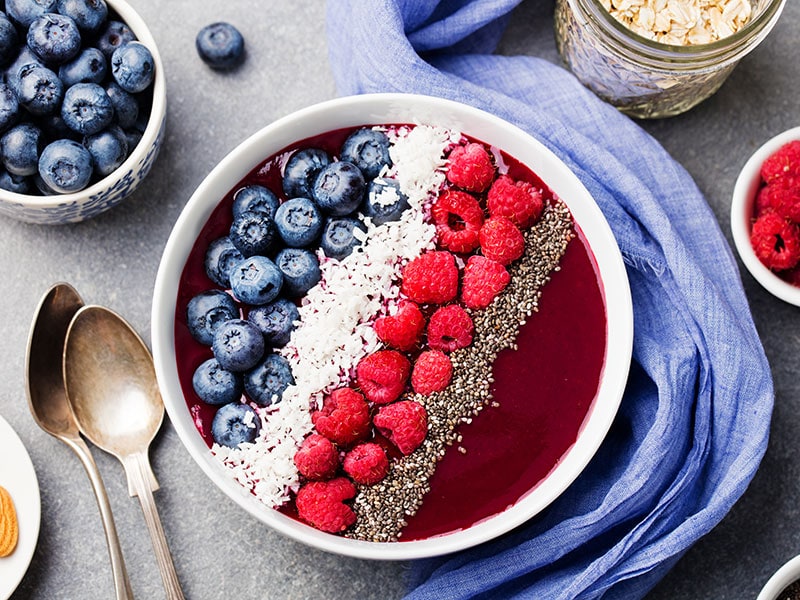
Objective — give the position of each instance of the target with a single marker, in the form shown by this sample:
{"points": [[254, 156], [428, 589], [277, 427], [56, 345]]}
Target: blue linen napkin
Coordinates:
{"points": [[694, 420]]}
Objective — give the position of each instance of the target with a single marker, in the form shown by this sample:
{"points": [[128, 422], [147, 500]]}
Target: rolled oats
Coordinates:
{"points": [[681, 22]]}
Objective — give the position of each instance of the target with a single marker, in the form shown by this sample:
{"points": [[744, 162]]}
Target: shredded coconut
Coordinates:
{"points": [[335, 328]]}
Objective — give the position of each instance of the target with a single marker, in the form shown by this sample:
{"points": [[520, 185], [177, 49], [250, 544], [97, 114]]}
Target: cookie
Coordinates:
{"points": [[9, 527]]}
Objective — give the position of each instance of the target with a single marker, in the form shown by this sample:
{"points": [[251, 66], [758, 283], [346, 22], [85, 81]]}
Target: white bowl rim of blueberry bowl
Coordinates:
{"points": [[745, 190], [375, 109], [136, 156]]}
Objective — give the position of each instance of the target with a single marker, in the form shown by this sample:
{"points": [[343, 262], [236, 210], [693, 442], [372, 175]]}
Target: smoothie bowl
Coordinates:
{"points": [[392, 326]]}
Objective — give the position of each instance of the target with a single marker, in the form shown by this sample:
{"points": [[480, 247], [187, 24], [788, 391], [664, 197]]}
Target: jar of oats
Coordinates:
{"points": [[658, 58]]}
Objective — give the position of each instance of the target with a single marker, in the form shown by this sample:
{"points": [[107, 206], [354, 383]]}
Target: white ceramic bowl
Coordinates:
{"points": [[783, 577], [744, 196], [398, 108], [111, 190]]}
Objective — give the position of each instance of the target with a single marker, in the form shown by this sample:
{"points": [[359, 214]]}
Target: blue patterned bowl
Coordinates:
{"points": [[111, 190]]}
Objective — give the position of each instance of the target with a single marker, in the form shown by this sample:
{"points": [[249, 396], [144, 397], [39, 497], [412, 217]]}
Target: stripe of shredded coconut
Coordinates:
{"points": [[335, 328]]}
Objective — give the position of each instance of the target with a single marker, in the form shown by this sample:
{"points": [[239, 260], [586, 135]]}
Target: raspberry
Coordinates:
{"points": [[470, 167], [501, 240], [321, 504], [366, 463], [516, 200], [317, 458], [432, 372], [344, 417], [458, 218], [483, 280], [783, 162], [382, 375], [776, 241], [783, 196], [431, 278], [403, 423], [401, 330], [450, 328]]}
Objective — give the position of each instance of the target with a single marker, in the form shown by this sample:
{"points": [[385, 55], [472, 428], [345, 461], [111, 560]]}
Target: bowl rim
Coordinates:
{"points": [[744, 194], [360, 110], [158, 111], [787, 574]]}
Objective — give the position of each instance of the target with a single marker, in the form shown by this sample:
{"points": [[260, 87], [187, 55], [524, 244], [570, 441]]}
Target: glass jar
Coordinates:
{"points": [[644, 78]]}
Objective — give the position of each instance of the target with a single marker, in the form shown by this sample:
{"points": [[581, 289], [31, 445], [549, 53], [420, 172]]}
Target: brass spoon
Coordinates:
{"points": [[47, 400], [111, 386]]}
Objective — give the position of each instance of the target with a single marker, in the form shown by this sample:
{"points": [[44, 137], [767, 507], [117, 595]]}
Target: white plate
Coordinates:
{"points": [[19, 478]]}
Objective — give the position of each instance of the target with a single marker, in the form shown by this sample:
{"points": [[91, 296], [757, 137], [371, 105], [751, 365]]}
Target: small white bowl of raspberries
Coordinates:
{"points": [[392, 326], [765, 215]]}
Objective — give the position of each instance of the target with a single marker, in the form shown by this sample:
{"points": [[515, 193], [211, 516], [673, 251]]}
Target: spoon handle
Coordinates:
{"points": [[140, 474], [122, 585]]}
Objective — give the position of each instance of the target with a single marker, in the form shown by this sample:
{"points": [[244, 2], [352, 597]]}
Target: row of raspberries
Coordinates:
{"points": [[775, 234], [358, 428]]}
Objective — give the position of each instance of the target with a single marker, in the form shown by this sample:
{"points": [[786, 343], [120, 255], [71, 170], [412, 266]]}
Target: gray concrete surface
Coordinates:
{"points": [[221, 552]]}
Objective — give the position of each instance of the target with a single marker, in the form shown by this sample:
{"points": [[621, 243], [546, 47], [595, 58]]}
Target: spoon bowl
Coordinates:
{"points": [[48, 403], [111, 386]]}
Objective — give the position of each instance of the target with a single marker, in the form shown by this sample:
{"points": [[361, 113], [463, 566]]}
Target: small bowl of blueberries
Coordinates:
{"points": [[82, 107]]}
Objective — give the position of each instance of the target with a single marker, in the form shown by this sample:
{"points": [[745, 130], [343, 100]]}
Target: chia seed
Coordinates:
{"points": [[381, 509]]}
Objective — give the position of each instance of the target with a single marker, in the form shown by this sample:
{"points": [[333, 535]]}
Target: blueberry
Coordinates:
{"points": [[39, 89], [368, 149], [298, 222], [9, 107], [132, 67], [134, 136], [253, 233], [54, 38], [338, 240], [9, 40], [255, 198], [220, 45], [25, 12], [87, 109], [206, 312], [266, 383], [276, 321], [384, 202], [221, 256], [109, 149], [301, 170], [112, 36], [256, 280], [235, 424], [238, 345], [14, 183], [88, 15], [25, 57], [87, 67], [339, 188], [65, 166], [126, 107], [20, 148], [300, 270], [215, 385]]}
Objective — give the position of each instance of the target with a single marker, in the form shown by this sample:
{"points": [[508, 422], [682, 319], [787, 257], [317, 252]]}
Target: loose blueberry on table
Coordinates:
{"points": [[72, 72], [436, 283], [220, 46]]}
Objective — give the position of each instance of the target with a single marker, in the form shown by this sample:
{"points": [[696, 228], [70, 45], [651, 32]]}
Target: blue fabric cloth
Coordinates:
{"points": [[694, 420]]}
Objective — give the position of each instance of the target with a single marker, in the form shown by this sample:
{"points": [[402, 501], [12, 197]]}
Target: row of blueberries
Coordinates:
{"points": [[72, 100], [269, 261]]}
